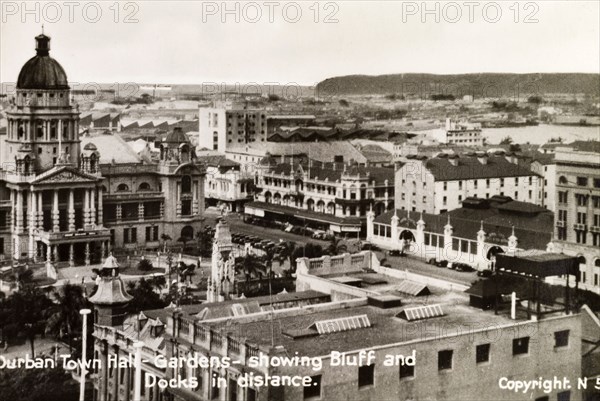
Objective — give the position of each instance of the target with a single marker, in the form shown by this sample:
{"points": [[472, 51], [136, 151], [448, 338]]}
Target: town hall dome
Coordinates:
{"points": [[42, 71]]}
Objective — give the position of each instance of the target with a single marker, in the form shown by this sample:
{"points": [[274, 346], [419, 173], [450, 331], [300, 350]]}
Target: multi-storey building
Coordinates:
{"points": [[69, 199], [227, 183], [459, 133], [402, 346], [441, 183], [545, 167], [577, 217], [331, 196], [224, 126]]}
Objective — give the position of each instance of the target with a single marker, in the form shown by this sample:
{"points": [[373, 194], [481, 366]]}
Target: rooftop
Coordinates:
{"points": [[469, 168], [112, 149]]}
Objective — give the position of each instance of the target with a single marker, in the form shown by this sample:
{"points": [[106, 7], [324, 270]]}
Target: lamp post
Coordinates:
{"points": [[137, 389], [84, 313]]}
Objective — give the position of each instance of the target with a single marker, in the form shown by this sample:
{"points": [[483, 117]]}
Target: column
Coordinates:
{"points": [[178, 199], [87, 253], [71, 210], [100, 214], [71, 256], [40, 211], [92, 206], [370, 220], [194, 198], [55, 213], [55, 253], [394, 231], [141, 211], [86, 207], [32, 223], [447, 250], [162, 209], [116, 374], [19, 208], [119, 212], [48, 255], [102, 250]]}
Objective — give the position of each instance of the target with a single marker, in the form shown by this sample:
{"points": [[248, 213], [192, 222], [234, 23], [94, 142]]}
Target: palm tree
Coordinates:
{"points": [[165, 238], [287, 253], [336, 247], [27, 309], [65, 318], [250, 264]]}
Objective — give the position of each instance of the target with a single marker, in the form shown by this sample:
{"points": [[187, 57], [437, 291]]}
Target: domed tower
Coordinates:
{"points": [[111, 297], [42, 124]]}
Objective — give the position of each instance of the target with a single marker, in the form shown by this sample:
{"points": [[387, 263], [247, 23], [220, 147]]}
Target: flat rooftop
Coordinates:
{"points": [[385, 328]]}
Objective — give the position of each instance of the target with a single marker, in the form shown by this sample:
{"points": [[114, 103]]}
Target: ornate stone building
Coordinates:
{"points": [[69, 199]]}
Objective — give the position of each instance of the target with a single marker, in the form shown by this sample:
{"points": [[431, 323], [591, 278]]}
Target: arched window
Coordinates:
{"points": [[562, 179], [581, 260], [186, 184], [187, 232], [122, 188], [597, 263], [144, 186]]}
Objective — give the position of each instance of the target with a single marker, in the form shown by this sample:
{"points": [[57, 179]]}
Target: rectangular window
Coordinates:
{"points": [[487, 183], [582, 181], [475, 184], [562, 196], [445, 186], [314, 389], [444, 200], [407, 371], [445, 359], [366, 375], [482, 353], [501, 182], [460, 185], [561, 338], [563, 396], [521, 346], [582, 200], [596, 182], [148, 234]]}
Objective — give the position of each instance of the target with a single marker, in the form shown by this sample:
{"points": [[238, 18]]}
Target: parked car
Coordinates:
{"points": [[484, 273], [463, 267], [396, 252], [438, 263]]}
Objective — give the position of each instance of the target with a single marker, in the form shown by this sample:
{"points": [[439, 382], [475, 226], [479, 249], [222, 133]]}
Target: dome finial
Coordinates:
{"points": [[42, 44]]}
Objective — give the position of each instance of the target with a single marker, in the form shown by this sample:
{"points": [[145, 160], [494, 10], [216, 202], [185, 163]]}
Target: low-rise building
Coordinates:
{"points": [[473, 234]]}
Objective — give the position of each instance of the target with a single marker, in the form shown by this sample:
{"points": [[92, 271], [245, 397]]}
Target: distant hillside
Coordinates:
{"points": [[477, 85]]}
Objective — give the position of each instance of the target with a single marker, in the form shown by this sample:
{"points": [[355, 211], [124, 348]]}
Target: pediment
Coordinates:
{"points": [[64, 175]]}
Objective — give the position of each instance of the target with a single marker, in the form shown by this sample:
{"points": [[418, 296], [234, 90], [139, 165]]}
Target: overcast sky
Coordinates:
{"points": [[171, 43]]}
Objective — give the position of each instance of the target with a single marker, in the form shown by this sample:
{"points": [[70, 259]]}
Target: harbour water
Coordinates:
{"points": [[542, 133]]}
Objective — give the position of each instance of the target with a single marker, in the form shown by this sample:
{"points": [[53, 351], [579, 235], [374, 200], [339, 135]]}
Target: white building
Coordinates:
{"points": [[226, 125], [458, 133], [441, 183]]}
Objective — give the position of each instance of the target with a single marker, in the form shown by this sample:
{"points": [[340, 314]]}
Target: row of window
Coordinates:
{"points": [[366, 374]]}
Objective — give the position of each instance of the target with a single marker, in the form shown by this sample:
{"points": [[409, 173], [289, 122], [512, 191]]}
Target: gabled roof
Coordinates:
{"points": [[112, 148]]}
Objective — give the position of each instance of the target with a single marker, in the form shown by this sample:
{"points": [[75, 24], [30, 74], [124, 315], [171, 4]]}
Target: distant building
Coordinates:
{"points": [[100, 121], [225, 126], [458, 133], [577, 203], [276, 121], [250, 155], [441, 183], [544, 166]]}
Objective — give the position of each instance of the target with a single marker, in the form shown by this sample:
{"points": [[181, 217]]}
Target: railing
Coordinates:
{"points": [[581, 227]]}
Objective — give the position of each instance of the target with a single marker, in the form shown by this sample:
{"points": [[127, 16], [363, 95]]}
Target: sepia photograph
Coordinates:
{"points": [[353, 200]]}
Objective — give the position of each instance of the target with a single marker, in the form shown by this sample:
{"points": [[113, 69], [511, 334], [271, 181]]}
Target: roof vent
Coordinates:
{"points": [[341, 324], [421, 312]]}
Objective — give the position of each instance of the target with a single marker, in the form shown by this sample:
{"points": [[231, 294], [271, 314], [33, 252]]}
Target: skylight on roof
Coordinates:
{"points": [[421, 312], [342, 324]]}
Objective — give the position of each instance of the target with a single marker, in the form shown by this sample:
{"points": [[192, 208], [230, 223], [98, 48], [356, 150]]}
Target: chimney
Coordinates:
{"points": [[511, 158], [453, 159]]}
